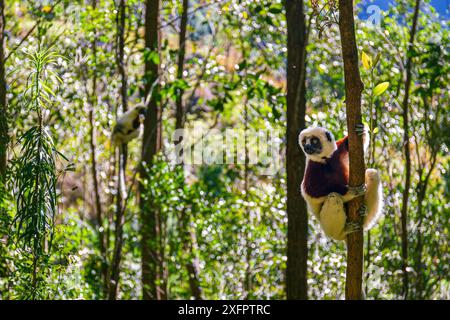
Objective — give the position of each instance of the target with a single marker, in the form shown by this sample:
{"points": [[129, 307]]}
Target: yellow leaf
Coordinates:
{"points": [[46, 9], [366, 61], [380, 88], [245, 15], [375, 131]]}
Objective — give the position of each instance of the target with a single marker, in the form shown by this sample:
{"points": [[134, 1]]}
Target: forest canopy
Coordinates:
{"points": [[149, 149]]}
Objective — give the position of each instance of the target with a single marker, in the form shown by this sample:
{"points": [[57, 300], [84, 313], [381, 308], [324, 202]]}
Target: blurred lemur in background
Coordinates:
{"points": [[128, 126]]}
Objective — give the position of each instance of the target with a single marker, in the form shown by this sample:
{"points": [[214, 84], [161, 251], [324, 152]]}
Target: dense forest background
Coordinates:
{"points": [[70, 228]]}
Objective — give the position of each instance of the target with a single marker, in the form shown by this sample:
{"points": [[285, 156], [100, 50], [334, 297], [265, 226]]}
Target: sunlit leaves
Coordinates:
{"points": [[366, 61], [152, 56], [380, 88], [36, 190], [276, 8], [36, 168], [46, 9]]}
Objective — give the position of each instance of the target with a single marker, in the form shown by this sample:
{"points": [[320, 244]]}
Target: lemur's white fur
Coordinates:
{"points": [[330, 210], [332, 217], [123, 131], [318, 132]]}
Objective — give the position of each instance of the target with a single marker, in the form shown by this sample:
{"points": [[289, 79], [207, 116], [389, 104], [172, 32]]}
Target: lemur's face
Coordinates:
{"points": [[142, 112], [317, 143]]}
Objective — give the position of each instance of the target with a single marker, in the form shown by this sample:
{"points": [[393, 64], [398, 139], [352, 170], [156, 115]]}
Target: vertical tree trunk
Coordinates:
{"points": [[123, 155], [3, 109], [421, 194], [407, 152], [92, 145], [180, 111], [180, 115], [353, 90], [121, 15], [151, 259], [297, 241]]}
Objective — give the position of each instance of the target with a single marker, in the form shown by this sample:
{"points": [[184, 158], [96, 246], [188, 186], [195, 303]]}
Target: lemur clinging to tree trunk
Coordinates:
{"points": [[325, 184]]}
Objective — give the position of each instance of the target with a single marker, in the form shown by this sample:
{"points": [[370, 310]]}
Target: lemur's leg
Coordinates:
{"points": [[314, 204], [315, 208], [373, 198], [332, 217]]}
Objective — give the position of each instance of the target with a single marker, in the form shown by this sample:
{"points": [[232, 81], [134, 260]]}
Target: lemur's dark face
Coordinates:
{"points": [[312, 145], [317, 143]]}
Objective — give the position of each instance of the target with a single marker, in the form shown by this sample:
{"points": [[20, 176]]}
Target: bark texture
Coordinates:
{"points": [[353, 90], [297, 250], [152, 262], [4, 139]]}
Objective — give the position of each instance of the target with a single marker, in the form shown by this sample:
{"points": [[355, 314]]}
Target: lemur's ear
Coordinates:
{"points": [[328, 134]]}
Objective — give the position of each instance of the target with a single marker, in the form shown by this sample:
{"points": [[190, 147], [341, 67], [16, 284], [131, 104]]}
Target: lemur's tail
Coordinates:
{"points": [[373, 198]]}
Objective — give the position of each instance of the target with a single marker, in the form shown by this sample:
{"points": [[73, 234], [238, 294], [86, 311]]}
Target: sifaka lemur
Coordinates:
{"points": [[128, 125], [325, 183]]}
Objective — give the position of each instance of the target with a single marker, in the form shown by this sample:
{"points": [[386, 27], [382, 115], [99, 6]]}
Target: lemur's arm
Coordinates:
{"points": [[342, 144], [361, 130]]}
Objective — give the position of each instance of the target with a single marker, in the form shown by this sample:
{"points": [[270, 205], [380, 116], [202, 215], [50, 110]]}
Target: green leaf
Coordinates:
{"points": [[380, 88], [276, 8], [377, 59], [366, 61]]}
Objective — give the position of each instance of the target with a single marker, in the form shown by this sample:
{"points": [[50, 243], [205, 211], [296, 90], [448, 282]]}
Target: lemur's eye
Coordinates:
{"points": [[314, 141]]}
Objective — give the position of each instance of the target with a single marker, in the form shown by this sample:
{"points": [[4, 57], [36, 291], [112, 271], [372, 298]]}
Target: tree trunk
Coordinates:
{"points": [[151, 259], [92, 145], [297, 241], [353, 90], [114, 275], [3, 108], [180, 111], [407, 152]]}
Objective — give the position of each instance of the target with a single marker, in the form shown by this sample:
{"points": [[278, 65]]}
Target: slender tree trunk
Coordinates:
{"points": [[248, 285], [180, 111], [151, 259], [421, 193], [92, 145], [407, 152], [121, 15], [353, 90], [297, 241], [114, 277], [180, 115], [4, 139], [192, 264]]}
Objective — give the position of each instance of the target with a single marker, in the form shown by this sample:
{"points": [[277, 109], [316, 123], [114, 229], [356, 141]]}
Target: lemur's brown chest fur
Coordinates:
{"points": [[321, 179]]}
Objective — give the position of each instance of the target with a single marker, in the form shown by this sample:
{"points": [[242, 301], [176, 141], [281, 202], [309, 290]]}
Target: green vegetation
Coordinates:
{"points": [[70, 229]]}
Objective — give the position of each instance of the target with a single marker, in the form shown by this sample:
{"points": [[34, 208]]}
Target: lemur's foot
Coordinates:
{"points": [[352, 226], [358, 191], [362, 211], [360, 129]]}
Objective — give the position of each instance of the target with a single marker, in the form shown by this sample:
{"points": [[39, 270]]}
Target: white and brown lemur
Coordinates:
{"points": [[325, 184], [128, 125]]}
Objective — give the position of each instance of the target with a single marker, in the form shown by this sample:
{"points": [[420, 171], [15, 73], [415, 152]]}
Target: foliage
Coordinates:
{"points": [[235, 62]]}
